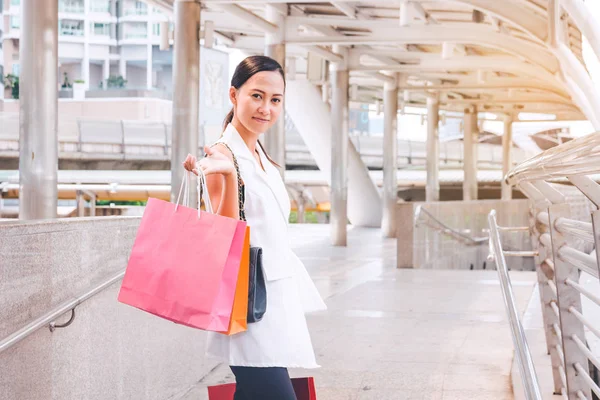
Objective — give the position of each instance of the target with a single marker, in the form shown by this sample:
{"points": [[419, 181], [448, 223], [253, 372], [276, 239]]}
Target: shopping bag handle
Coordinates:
{"points": [[201, 188]]}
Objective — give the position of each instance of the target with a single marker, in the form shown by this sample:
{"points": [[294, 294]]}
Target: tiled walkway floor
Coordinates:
{"points": [[401, 334]]}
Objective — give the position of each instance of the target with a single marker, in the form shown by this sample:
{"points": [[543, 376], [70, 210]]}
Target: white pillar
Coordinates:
{"points": [[339, 149], [149, 61], [85, 63], [38, 155], [470, 154], [123, 63], [275, 48], [390, 158], [432, 189], [105, 73], [506, 156], [186, 89]]}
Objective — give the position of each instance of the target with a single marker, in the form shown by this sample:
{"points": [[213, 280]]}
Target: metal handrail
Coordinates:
{"points": [[525, 361], [576, 157], [63, 308], [445, 229]]}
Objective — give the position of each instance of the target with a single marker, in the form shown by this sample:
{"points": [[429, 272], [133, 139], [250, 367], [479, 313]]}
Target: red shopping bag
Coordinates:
{"points": [[184, 265], [303, 387]]}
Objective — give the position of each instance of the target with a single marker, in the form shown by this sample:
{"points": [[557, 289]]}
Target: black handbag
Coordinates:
{"points": [[257, 289]]}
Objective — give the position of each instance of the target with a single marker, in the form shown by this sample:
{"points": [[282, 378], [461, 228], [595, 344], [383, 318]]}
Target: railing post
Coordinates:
{"points": [[166, 139], [122, 137], [596, 225], [79, 136], [544, 274], [568, 297]]}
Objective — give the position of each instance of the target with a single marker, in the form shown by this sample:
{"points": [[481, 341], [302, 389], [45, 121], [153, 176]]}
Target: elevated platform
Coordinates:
{"points": [[392, 334], [388, 333]]}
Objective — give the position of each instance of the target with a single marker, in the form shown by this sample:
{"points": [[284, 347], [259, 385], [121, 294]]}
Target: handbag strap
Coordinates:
{"points": [[241, 197]]}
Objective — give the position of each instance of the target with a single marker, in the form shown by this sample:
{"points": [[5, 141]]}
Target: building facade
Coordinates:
{"points": [[98, 40]]}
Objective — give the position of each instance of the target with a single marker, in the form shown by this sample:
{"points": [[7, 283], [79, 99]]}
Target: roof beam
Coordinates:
{"points": [[585, 20], [512, 13], [523, 84], [422, 13], [250, 17], [472, 34], [347, 9], [474, 64]]}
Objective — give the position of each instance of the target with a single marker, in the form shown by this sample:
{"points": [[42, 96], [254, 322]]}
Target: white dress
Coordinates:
{"points": [[281, 338]]}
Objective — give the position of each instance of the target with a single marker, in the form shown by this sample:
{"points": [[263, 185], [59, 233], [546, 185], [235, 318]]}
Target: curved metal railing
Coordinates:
{"points": [[424, 217], [524, 359], [561, 261], [51, 316]]}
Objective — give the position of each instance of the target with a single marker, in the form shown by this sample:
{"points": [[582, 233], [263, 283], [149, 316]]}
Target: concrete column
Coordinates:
{"points": [[432, 189], [275, 48], [38, 155], [506, 156], [85, 63], [149, 61], [105, 73], [390, 158], [186, 89], [470, 154], [339, 150], [80, 200], [123, 63]]}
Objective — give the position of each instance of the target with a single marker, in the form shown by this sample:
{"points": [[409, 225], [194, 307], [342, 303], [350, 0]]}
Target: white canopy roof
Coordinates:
{"points": [[501, 56]]}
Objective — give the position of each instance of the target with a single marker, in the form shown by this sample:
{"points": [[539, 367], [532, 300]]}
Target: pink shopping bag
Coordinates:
{"points": [[184, 265]]}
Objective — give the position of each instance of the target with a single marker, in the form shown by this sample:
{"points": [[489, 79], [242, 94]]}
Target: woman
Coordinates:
{"points": [[259, 357]]}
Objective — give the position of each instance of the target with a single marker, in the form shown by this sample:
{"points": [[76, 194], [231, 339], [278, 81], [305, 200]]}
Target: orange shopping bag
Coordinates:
{"points": [[239, 313]]}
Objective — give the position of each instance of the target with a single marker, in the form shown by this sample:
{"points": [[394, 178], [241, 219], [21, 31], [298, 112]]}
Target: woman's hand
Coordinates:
{"points": [[215, 162]]}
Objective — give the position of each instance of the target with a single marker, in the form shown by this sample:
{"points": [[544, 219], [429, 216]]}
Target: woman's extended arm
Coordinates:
{"points": [[221, 179]]}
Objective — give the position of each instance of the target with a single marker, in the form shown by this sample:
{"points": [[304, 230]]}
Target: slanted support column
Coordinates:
{"points": [[186, 87], [432, 189], [339, 149], [275, 48], [38, 155], [390, 158], [470, 154], [507, 156]]}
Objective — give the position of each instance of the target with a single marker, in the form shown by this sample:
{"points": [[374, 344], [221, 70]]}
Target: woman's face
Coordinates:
{"points": [[259, 101]]}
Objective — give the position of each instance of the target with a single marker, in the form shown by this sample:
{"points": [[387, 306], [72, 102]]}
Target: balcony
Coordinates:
{"points": [[135, 11], [71, 7], [100, 6]]}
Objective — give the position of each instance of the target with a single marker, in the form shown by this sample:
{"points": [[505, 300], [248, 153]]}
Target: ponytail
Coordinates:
{"points": [[228, 119]]}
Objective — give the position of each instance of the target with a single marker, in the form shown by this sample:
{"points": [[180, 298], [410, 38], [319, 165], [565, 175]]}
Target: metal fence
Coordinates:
{"points": [[563, 240], [151, 139]]}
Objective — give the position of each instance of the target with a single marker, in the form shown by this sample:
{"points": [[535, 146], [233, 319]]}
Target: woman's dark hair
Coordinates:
{"points": [[245, 70]]}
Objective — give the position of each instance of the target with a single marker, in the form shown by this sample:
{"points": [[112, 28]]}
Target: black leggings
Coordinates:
{"points": [[254, 383]]}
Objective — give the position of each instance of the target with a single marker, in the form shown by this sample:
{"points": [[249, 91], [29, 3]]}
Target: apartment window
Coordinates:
{"points": [[15, 2], [136, 31], [15, 22], [100, 29], [156, 29], [16, 69], [102, 6], [71, 6], [140, 8], [70, 28]]}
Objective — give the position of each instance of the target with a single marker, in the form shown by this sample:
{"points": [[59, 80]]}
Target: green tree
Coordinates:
{"points": [[12, 82]]}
